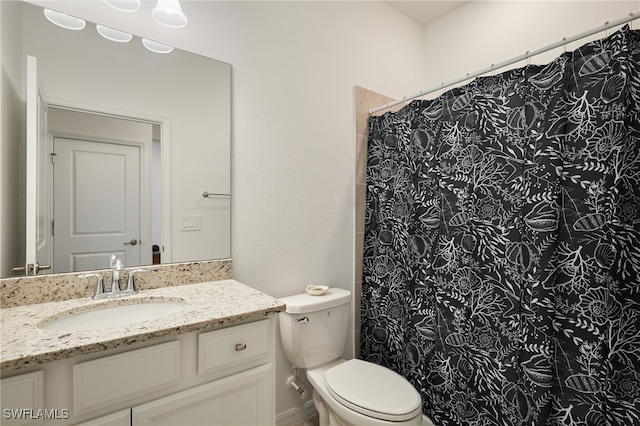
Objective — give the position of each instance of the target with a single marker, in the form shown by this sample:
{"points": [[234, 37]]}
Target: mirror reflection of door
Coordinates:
{"points": [[97, 204], [38, 247], [103, 189]]}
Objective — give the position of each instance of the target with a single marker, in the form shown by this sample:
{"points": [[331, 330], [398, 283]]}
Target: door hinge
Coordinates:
{"points": [[52, 228], [53, 158]]}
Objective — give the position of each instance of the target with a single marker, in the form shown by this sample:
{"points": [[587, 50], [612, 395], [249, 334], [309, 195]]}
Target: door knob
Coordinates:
{"points": [[133, 242], [31, 269], [37, 267]]}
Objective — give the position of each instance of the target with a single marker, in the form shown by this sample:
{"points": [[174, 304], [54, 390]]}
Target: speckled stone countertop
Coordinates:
{"points": [[209, 304], [57, 287]]}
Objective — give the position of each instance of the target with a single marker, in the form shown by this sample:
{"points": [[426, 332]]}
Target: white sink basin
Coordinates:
{"points": [[102, 316]]}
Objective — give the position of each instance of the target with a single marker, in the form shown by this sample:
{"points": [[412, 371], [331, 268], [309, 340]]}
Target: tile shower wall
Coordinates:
{"points": [[364, 100]]}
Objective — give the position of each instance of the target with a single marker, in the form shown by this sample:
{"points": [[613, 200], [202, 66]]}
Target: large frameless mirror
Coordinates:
{"points": [[133, 149]]}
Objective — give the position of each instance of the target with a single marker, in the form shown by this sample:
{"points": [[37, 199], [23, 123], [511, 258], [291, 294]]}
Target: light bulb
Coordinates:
{"points": [[156, 47], [169, 13], [124, 5], [113, 35], [65, 21]]}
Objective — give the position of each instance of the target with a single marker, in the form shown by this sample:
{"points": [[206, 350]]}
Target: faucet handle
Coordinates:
{"points": [[116, 276], [100, 290], [131, 281]]}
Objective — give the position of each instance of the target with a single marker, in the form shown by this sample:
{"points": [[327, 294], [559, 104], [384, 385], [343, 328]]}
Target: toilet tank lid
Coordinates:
{"points": [[305, 303]]}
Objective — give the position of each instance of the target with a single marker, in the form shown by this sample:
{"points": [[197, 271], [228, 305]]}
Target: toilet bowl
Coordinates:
{"points": [[345, 392], [357, 392]]}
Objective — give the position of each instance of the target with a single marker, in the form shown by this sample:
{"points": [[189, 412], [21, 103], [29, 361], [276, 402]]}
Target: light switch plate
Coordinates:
{"points": [[190, 223]]}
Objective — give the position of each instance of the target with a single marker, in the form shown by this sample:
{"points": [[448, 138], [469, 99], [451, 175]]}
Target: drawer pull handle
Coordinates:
{"points": [[241, 347]]}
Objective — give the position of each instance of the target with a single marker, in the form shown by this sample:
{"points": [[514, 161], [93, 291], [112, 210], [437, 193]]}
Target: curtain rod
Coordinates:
{"points": [[511, 61]]}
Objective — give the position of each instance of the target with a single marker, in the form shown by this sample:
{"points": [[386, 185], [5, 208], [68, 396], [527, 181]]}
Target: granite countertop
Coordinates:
{"points": [[209, 304]]}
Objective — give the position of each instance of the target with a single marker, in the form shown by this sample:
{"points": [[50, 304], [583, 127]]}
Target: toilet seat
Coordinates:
{"points": [[373, 390]]}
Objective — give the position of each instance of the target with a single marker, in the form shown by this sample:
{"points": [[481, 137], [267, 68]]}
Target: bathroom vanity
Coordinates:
{"points": [[211, 362]]}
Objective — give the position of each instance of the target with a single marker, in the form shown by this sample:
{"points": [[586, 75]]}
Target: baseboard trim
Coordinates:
{"points": [[296, 415]]}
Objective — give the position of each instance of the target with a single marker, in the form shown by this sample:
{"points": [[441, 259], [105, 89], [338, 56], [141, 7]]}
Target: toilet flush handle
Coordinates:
{"points": [[303, 320]]}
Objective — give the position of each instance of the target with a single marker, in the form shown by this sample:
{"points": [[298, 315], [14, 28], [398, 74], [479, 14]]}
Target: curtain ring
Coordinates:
{"points": [[607, 31], [631, 22], [564, 45], [527, 58]]}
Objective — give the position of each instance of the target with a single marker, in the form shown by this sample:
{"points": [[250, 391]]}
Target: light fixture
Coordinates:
{"points": [[169, 13], [65, 21], [113, 35], [124, 5], [156, 47]]}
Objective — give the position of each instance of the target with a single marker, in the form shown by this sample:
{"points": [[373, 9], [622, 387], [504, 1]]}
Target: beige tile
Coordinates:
{"points": [[361, 198], [359, 256], [361, 158], [365, 100], [358, 305], [362, 110]]}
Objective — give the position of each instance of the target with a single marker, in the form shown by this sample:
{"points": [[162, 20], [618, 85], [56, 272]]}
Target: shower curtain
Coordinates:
{"points": [[502, 243]]}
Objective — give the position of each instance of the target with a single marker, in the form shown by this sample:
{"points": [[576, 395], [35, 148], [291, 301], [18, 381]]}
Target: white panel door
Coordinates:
{"points": [[97, 204]]}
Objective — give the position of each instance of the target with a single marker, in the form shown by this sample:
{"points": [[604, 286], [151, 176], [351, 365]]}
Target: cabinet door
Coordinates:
{"points": [[120, 418], [242, 399], [22, 398]]}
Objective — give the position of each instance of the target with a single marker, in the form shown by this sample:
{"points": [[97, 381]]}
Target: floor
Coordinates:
{"points": [[311, 421]]}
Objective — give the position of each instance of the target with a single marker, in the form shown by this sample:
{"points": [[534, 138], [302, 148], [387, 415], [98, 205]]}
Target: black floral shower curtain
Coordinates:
{"points": [[502, 243]]}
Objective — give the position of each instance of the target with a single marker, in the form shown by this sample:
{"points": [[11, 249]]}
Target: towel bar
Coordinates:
{"points": [[206, 194]]}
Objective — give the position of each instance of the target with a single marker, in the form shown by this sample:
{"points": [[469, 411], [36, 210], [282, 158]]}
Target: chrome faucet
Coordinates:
{"points": [[117, 266]]}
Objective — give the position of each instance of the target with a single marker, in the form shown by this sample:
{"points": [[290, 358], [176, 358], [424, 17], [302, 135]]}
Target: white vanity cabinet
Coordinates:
{"points": [[242, 399], [217, 377]]}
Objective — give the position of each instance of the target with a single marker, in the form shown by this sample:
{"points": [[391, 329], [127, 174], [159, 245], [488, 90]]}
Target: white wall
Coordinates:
{"points": [[482, 33], [293, 169], [294, 66], [294, 160]]}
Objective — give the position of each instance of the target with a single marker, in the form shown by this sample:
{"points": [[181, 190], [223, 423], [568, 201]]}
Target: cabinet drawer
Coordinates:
{"points": [[232, 346], [112, 379]]}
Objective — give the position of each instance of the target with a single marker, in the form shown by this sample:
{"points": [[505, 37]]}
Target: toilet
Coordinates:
{"points": [[313, 330]]}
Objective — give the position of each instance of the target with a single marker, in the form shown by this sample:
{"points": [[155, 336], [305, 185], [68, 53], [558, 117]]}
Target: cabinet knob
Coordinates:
{"points": [[241, 347]]}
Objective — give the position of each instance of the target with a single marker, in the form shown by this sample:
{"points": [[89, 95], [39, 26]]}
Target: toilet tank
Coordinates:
{"points": [[313, 329]]}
